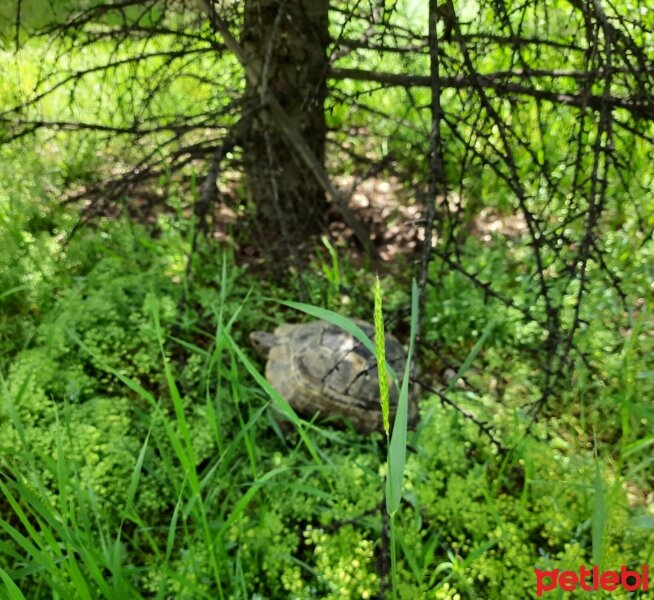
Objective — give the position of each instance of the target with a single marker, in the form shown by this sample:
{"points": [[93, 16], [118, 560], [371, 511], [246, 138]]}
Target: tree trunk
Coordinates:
{"points": [[287, 43]]}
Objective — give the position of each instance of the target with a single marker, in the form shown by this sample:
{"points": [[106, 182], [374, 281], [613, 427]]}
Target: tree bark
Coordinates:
{"points": [[287, 43]]}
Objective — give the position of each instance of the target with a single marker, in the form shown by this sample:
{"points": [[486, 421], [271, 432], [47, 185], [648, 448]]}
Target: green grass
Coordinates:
{"points": [[209, 502]]}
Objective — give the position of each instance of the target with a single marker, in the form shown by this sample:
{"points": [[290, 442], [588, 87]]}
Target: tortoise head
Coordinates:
{"points": [[262, 342]]}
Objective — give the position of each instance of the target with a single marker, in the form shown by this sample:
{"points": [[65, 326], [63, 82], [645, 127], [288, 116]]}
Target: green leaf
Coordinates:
{"points": [[280, 403], [397, 447], [599, 516], [11, 589], [642, 522]]}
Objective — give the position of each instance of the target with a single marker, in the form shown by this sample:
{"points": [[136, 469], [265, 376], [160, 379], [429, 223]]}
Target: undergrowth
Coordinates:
{"points": [[137, 463], [140, 456]]}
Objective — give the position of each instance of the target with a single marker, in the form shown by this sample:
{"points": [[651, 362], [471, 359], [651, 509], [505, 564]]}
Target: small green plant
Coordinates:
{"points": [[332, 272], [396, 457], [396, 443]]}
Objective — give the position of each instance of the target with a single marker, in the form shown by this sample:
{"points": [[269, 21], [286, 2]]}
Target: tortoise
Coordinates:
{"points": [[320, 368]]}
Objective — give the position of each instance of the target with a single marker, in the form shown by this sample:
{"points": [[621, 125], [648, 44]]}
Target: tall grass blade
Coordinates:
{"points": [[472, 354], [136, 475], [279, 402], [599, 517], [243, 502], [11, 589], [397, 447]]}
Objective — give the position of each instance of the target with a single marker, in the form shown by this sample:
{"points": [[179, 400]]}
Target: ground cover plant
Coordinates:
{"points": [[142, 453]]}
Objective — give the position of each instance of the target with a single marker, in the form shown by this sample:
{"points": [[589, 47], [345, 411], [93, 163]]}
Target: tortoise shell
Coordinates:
{"points": [[320, 368]]}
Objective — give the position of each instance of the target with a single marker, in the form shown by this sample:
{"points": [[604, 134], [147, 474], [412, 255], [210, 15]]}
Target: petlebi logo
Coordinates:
{"points": [[591, 579]]}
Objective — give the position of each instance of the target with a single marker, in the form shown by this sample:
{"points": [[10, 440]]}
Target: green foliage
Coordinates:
{"points": [[262, 517], [92, 435], [137, 457], [28, 249], [498, 519]]}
